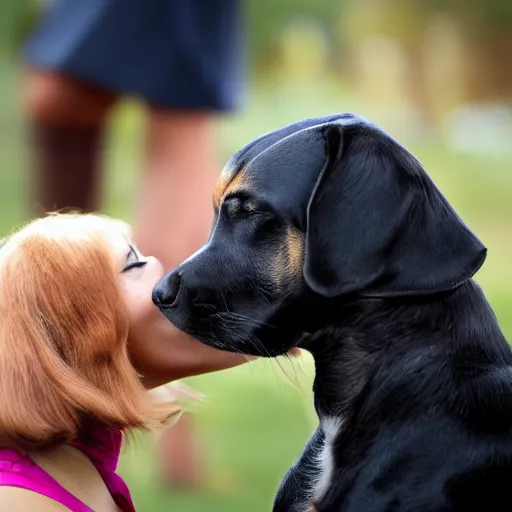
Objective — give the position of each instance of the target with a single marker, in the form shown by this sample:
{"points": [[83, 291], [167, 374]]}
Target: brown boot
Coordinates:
{"points": [[67, 167]]}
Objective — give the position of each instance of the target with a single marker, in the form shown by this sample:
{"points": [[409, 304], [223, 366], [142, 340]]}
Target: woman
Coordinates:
{"points": [[80, 344]]}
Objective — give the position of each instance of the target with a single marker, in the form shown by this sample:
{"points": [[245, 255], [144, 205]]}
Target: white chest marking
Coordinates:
{"points": [[331, 428]]}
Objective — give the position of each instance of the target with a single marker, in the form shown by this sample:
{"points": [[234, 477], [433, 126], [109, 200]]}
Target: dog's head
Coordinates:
{"points": [[310, 214]]}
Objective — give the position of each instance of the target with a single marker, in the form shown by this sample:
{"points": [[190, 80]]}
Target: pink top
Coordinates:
{"points": [[101, 445]]}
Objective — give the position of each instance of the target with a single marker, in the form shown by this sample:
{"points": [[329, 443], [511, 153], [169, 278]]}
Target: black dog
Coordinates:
{"points": [[330, 236]]}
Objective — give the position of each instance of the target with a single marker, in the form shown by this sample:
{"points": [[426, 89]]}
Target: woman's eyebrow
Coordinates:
{"points": [[131, 251]]}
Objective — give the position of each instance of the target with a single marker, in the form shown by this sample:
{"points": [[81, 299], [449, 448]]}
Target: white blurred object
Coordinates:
{"points": [[382, 70], [479, 129], [175, 391], [444, 55]]}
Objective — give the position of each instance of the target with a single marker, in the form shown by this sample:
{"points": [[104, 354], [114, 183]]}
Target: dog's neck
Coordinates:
{"points": [[366, 337], [343, 363]]}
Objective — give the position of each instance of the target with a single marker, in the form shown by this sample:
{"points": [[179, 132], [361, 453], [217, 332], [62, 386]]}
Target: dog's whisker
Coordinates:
{"points": [[224, 301], [293, 380], [238, 319], [260, 291], [260, 348]]}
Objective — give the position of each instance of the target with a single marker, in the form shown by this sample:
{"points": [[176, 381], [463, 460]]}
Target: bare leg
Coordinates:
{"points": [[173, 220], [175, 202]]}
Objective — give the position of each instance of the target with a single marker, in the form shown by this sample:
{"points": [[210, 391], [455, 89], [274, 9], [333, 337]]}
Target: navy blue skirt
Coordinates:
{"points": [[173, 53]]}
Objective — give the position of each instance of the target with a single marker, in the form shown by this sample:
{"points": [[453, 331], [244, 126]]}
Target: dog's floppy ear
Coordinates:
{"points": [[377, 225]]}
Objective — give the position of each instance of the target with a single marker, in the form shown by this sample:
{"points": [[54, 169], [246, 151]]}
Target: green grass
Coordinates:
{"points": [[254, 423], [252, 427]]}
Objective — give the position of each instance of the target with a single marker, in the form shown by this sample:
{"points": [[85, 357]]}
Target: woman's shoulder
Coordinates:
{"points": [[17, 499]]}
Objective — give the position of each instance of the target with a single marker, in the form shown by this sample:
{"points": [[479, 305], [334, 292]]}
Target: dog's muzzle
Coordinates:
{"points": [[176, 295], [166, 291]]}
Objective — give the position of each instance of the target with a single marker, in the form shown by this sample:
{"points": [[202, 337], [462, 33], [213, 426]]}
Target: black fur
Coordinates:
{"points": [[409, 357]]}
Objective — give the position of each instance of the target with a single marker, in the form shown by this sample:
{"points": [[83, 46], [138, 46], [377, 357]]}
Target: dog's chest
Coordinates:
{"points": [[331, 427]]}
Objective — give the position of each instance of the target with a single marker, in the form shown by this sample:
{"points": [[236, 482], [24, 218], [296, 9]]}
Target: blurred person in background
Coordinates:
{"points": [[183, 59]]}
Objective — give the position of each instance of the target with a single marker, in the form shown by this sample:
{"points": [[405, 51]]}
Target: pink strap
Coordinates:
{"points": [[102, 446], [17, 470]]}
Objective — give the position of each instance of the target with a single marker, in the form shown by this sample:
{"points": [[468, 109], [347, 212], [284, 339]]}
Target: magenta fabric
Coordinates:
{"points": [[101, 445]]}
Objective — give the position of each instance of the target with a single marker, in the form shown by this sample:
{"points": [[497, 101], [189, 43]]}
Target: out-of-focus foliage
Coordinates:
{"points": [[488, 14], [16, 20], [266, 19]]}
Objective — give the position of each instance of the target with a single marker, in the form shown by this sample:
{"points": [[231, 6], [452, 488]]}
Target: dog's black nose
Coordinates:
{"points": [[166, 292]]}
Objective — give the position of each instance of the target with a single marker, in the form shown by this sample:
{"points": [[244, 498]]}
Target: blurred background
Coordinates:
{"points": [[435, 74]]}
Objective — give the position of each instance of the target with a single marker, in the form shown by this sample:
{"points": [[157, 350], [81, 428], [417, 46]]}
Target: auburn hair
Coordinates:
{"points": [[63, 335]]}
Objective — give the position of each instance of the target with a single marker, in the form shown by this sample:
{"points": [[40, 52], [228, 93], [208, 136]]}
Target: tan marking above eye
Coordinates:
{"points": [[227, 184]]}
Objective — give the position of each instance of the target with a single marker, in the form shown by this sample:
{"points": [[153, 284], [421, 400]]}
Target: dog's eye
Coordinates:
{"points": [[235, 207]]}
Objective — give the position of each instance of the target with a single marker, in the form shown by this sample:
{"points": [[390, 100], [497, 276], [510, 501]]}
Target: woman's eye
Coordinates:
{"points": [[133, 260], [135, 264]]}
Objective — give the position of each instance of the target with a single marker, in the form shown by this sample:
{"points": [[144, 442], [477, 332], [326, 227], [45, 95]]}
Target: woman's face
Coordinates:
{"points": [[159, 351]]}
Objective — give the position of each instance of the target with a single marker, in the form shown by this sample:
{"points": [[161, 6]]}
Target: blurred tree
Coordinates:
{"points": [[488, 30], [491, 14], [266, 20], [18, 18]]}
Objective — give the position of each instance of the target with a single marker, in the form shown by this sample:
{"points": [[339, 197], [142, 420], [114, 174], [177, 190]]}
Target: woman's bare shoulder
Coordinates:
{"points": [[16, 499]]}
